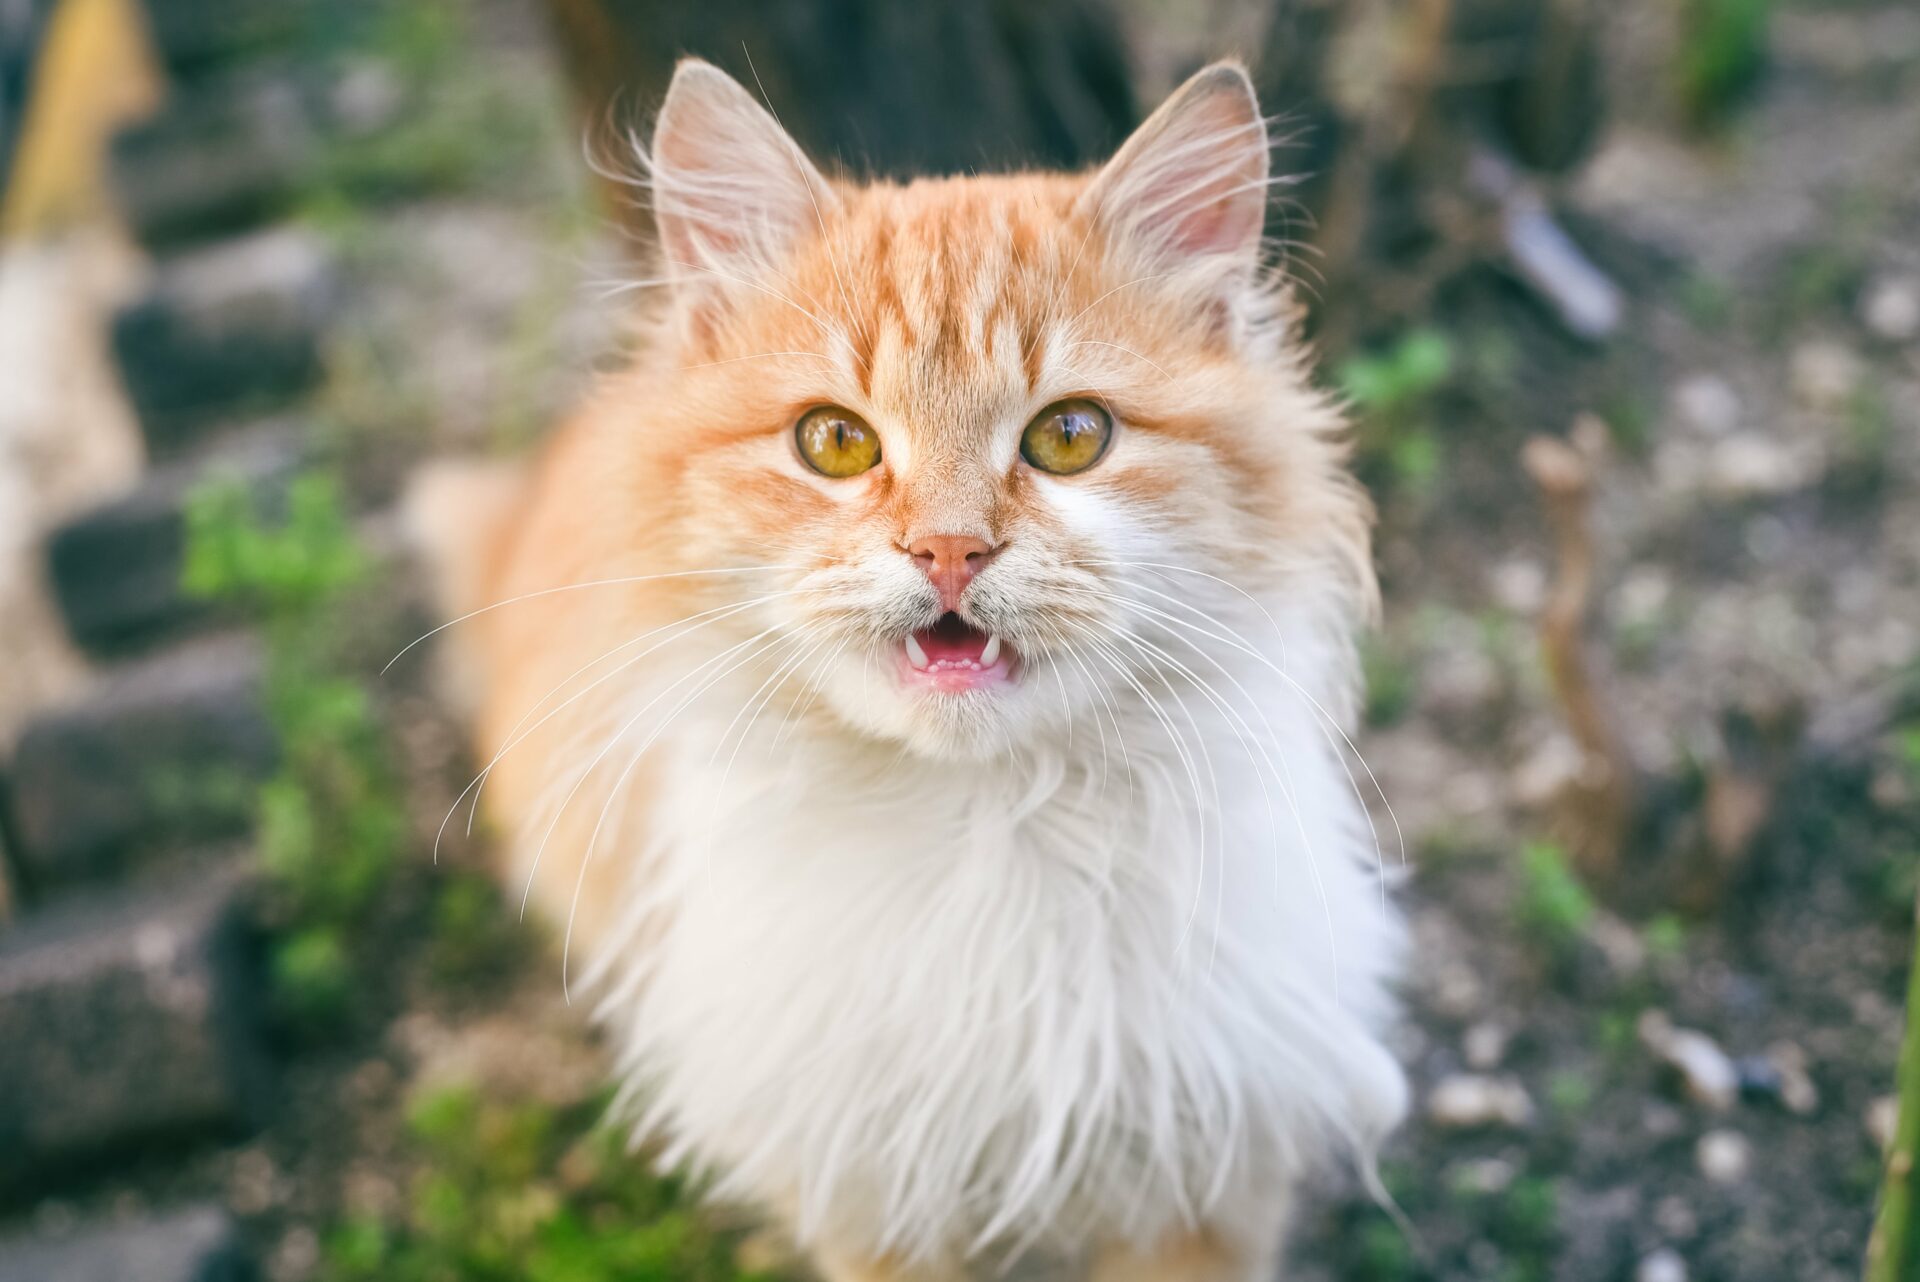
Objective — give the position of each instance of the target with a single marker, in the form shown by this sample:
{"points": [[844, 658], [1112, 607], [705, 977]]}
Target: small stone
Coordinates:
{"points": [[226, 329], [1824, 375], [1890, 308], [252, 1182], [1890, 789], [1519, 585], [368, 97], [1482, 1175], [295, 1257], [1619, 944], [227, 151], [1485, 1045], [1797, 1092], [1664, 1265], [1456, 991], [1706, 1072], [1751, 466], [1724, 1157], [1708, 404], [1883, 1119], [146, 762], [1546, 772], [1759, 1077], [1459, 682], [115, 568], [1661, 1120], [125, 1018], [1676, 1219], [197, 1245], [1469, 1101], [1644, 594]]}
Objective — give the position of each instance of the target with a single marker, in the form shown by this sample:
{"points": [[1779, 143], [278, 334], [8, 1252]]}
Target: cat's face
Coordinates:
{"points": [[1014, 450]]}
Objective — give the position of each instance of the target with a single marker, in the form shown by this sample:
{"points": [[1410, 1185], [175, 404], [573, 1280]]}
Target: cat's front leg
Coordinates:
{"points": [[836, 1265], [1248, 1252]]}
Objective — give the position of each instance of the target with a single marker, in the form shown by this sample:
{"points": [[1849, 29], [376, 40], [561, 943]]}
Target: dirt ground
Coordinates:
{"points": [[1758, 529]]}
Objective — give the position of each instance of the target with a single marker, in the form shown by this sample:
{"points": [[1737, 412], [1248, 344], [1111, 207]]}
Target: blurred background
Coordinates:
{"points": [[1625, 297]]}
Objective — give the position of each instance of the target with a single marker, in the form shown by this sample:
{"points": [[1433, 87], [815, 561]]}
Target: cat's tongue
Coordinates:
{"points": [[954, 656]]}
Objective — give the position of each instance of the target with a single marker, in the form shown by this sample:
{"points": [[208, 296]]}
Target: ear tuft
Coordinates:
{"points": [[1189, 188], [731, 189]]}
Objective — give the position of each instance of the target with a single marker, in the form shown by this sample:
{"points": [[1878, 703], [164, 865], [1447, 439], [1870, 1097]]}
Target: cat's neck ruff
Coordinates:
{"points": [[1129, 969]]}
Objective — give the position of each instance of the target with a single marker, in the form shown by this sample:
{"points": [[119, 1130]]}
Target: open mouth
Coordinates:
{"points": [[955, 656]]}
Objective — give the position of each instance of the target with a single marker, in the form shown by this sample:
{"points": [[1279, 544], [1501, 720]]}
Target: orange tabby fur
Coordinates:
{"points": [[941, 311]]}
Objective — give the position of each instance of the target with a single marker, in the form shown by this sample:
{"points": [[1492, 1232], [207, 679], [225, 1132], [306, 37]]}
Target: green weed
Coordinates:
{"points": [[1553, 906], [516, 1192], [1392, 683], [1721, 55], [1391, 388], [1665, 938], [330, 821]]}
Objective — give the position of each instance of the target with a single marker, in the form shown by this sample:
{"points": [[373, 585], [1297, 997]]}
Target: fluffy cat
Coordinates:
{"points": [[915, 686]]}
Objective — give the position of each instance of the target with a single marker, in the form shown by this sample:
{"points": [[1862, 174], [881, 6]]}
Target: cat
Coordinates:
{"points": [[914, 690]]}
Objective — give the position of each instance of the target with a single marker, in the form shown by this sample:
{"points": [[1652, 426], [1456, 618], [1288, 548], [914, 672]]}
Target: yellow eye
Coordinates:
{"points": [[1067, 437], [836, 442]]}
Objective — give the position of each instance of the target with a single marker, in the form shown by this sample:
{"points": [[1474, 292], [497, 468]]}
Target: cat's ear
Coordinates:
{"points": [[1188, 191], [731, 189]]}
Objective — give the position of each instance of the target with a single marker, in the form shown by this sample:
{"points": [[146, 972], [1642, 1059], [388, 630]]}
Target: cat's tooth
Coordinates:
{"points": [[992, 652], [915, 655]]}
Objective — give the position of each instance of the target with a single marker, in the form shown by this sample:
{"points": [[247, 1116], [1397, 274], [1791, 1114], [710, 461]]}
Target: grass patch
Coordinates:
{"points": [[330, 822], [1392, 681], [1392, 389], [511, 1191], [1721, 57], [1553, 908]]}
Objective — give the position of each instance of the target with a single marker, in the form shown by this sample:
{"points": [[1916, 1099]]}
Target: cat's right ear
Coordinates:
{"points": [[1188, 191], [731, 189]]}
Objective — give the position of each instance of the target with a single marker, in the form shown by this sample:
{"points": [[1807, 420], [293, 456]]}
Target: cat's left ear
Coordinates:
{"points": [[1188, 191], [732, 190]]}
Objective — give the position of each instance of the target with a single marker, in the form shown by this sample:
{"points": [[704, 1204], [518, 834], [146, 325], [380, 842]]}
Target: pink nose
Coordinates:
{"points": [[950, 561]]}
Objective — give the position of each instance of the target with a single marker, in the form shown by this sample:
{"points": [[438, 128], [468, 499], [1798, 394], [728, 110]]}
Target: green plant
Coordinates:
{"points": [[1390, 388], [458, 130], [473, 936], [1397, 377], [1707, 300], [312, 976], [1529, 1216], [1391, 681], [1382, 1253], [1893, 1252], [512, 1191], [1570, 1093], [1861, 467], [330, 820], [1721, 54], [1553, 905], [1665, 937]]}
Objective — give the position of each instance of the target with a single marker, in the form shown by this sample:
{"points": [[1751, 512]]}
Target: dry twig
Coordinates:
{"points": [[1600, 799]]}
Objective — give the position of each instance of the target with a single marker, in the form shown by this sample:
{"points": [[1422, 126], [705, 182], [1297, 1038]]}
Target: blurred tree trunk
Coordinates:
{"points": [[879, 87]]}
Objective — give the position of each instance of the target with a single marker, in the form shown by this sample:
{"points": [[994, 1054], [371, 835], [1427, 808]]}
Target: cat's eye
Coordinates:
{"points": [[1067, 437], [836, 442]]}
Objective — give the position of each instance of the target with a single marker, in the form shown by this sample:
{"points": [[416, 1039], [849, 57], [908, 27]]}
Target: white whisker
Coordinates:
{"points": [[575, 587]]}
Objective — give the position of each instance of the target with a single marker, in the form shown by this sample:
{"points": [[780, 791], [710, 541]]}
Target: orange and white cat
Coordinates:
{"points": [[915, 688]]}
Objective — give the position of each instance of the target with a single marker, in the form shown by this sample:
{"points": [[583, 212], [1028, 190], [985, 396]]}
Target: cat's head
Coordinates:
{"points": [[1014, 450]]}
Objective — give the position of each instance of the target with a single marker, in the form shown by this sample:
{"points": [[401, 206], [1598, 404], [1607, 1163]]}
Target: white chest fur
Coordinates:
{"points": [[933, 1007]]}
